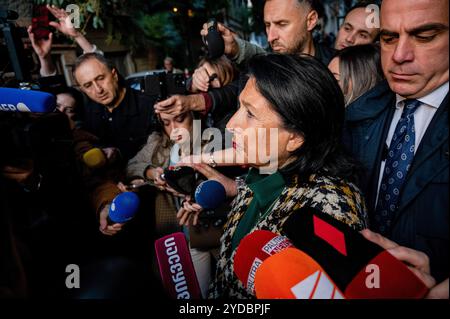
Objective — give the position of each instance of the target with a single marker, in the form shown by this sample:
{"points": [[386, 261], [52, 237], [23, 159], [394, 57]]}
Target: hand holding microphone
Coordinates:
{"points": [[122, 209], [209, 195], [417, 261], [230, 46]]}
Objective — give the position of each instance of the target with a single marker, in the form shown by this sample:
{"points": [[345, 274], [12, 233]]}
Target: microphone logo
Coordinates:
{"points": [[251, 275], [276, 244], [21, 107], [316, 286]]}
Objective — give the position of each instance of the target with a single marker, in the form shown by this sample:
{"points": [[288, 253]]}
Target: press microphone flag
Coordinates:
{"points": [[176, 267], [16, 100], [292, 274], [253, 250], [360, 268]]}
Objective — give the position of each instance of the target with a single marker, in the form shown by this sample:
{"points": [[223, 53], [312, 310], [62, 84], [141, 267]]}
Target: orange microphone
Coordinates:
{"points": [[292, 274]]}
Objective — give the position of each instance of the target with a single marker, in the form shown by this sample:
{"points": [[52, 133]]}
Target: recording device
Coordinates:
{"points": [[40, 22], [16, 100], [349, 258], [292, 274], [252, 251], [94, 158], [213, 40], [176, 267], [161, 84], [210, 194], [183, 179], [123, 208]]}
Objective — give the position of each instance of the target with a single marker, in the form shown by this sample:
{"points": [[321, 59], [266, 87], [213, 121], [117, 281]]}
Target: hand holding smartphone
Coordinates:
{"points": [[40, 22]]}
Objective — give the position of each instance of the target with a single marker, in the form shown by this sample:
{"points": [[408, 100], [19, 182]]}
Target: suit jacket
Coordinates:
{"points": [[421, 221]]}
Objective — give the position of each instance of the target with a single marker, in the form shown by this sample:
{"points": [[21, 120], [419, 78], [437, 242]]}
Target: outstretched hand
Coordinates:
{"points": [[64, 23]]}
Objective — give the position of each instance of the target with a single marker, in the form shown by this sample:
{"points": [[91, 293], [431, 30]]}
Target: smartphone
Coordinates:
{"points": [[40, 22]]}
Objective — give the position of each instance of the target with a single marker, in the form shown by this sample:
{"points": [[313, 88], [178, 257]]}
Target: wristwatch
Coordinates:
{"points": [[211, 161]]}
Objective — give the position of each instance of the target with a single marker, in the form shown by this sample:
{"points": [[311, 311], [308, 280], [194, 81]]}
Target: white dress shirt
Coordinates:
{"points": [[422, 118]]}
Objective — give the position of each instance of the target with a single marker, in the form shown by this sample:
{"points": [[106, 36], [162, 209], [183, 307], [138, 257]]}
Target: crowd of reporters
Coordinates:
{"points": [[333, 106]]}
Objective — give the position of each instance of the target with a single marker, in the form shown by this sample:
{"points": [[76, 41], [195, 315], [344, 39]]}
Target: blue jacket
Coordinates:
{"points": [[422, 219]]}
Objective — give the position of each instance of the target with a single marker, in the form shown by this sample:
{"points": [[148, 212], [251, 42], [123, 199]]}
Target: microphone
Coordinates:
{"points": [[94, 158], [123, 208], [214, 40], [252, 251], [16, 100], [210, 194], [176, 267], [360, 268], [292, 274]]}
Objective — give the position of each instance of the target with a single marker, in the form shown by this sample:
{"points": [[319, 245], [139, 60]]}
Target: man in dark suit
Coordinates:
{"points": [[399, 131]]}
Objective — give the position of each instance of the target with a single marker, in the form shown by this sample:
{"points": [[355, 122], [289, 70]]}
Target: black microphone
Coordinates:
{"points": [[214, 40]]}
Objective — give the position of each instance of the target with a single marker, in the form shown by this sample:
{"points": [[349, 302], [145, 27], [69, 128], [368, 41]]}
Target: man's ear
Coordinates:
{"points": [[115, 74], [311, 20], [295, 142]]}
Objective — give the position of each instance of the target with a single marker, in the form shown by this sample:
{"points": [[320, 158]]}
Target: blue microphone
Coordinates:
{"points": [[210, 194], [16, 100], [123, 208]]}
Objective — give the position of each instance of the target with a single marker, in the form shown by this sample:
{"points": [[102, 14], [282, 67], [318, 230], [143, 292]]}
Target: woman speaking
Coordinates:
{"points": [[288, 130]]}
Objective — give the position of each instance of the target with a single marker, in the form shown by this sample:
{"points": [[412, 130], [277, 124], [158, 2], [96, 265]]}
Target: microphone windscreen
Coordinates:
{"points": [[123, 207], [292, 274], [94, 158], [216, 44], [16, 100], [344, 253], [385, 277], [210, 194], [252, 251], [176, 267]]}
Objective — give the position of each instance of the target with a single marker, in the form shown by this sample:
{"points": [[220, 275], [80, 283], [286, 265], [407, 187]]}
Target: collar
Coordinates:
{"points": [[433, 99], [266, 188]]}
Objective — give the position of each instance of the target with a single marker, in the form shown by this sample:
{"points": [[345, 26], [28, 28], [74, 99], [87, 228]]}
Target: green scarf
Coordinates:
{"points": [[266, 190]]}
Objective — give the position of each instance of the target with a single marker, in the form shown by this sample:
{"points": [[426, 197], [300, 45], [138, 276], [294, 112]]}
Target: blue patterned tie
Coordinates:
{"points": [[398, 161]]}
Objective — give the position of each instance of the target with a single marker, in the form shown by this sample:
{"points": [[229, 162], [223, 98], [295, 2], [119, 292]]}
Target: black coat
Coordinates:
{"points": [[127, 127], [422, 219]]}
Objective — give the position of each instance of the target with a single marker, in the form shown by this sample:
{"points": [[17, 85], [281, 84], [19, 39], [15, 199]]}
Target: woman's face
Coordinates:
{"points": [[258, 135], [215, 83], [179, 127], [334, 68]]}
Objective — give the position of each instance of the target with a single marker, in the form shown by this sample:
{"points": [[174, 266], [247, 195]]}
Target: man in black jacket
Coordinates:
{"points": [[399, 131], [122, 118]]}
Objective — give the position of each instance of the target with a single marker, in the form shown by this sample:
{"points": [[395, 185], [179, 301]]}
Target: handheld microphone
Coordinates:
{"points": [[292, 274], [16, 100], [210, 194], [176, 267], [252, 251], [360, 268], [214, 40], [123, 208], [94, 158]]}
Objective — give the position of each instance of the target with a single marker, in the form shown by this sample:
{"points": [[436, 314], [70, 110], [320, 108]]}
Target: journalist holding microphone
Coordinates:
{"points": [[299, 98]]}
